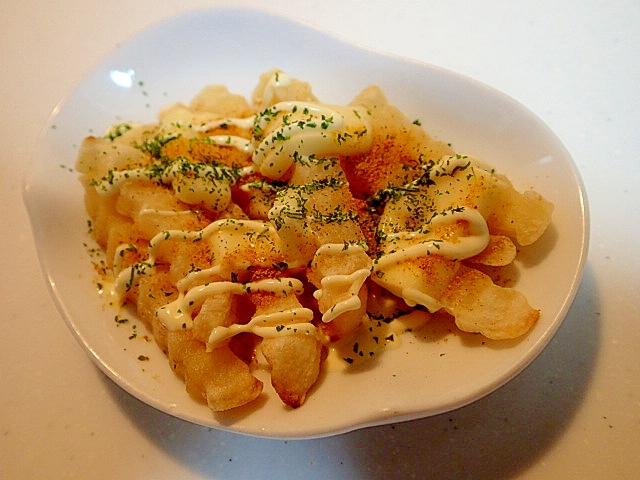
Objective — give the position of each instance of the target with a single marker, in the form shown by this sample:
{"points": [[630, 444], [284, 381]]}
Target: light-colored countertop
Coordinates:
{"points": [[573, 413]]}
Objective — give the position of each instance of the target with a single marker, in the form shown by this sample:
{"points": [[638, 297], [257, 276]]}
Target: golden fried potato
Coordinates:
{"points": [[200, 210], [499, 252], [479, 305], [218, 100], [275, 86], [399, 145], [312, 215], [217, 377], [155, 291], [295, 365], [154, 208], [97, 156], [521, 216], [216, 311], [339, 272], [348, 322], [419, 281], [104, 216], [220, 378]]}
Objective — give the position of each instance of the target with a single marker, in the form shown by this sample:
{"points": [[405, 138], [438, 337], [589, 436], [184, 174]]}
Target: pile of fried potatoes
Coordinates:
{"points": [[257, 235]]}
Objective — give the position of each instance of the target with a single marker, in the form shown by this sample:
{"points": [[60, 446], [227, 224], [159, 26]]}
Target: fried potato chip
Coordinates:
{"points": [[339, 272], [271, 90], [479, 305], [216, 311], [218, 100], [155, 291], [398, 147], [216, 376], [98, 156], [419, 281], [295, 365], [499, 252], [521, 216], [220, 378]]}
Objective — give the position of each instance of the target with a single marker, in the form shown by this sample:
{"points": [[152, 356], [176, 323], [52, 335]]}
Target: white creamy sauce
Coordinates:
{"points": [[348, 285], [240, 143], [196, 286], [177, 314], [287, 322], [376, 337], [244, 123], [219, 227], [300, 129], [404, 246]]}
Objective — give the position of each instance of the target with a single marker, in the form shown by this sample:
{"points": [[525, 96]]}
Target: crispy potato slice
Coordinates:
{"points": [[220, 378], [218, 100], [98, 155], [479, 305], [522, 216], [217, 377], [266, 94], [179, 344], [155, 291], [184, 257], [348, 322], [125, 242], [313, 215], [202, 151], [395, 180], [340, 272], [499, 252], [397, 149], [216, 311], [154, 208], [103, 214], [295, 365], [419, 281]]}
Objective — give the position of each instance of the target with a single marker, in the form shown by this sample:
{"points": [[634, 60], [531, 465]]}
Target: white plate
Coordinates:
{"points": [[171, 62]]}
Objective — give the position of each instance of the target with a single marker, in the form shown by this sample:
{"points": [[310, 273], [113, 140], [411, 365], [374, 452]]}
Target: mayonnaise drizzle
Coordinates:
{"points": [[268, 325], [197, 286], [234, 141], [126, 276], [244, 123], [304, 129], [348, 285], [399, 247], [178, 313], [405, 246]]}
